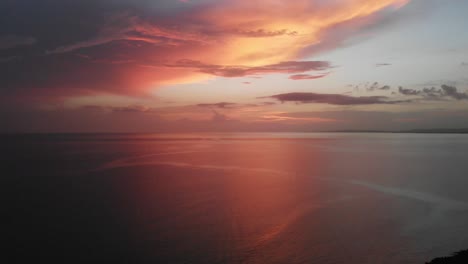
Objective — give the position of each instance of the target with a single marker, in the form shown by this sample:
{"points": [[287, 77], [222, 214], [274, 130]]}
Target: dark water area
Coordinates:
{"points": [[234, 198]]}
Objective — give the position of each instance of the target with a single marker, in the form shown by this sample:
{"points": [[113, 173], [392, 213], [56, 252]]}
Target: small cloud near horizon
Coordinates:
{"points": [[382, 64]]}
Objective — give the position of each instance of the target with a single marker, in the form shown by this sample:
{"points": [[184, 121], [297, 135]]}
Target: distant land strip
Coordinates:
{"points": [[460, 257], [410, 131]]}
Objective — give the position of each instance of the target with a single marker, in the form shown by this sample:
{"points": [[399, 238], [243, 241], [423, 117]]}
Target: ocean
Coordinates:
{"points": [[235, 198]]}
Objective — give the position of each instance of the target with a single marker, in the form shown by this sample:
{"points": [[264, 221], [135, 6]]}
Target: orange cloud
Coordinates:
{"points": [[307, 76], [134, 53], [310, 22]]}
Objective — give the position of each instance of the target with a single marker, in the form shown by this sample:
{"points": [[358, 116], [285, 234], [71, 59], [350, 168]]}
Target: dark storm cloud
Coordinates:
{"points": [[334, 99]]}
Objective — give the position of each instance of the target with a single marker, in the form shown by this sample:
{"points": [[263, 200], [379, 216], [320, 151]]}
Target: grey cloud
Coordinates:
{"points": [[333, 99], [408, 91], [376, 86], [218, 105], [227, 105], [122, 109], [12, 41], [382, 64], [452, 91], [9, 58], [307, 76], [385, 87], [446, 91], [260, 33]]}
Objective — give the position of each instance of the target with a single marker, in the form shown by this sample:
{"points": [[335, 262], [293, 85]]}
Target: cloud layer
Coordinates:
{"points": [[333, 99], [241, 71], [131, 47]]}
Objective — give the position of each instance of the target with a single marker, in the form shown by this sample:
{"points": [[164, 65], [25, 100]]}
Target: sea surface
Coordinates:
{"points": [[234, 198]]}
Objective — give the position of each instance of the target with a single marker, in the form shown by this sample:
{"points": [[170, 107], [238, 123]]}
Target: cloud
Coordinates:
{"points": [[285, 119], [12, 41], [9, 58], [262, 33], [198, 111], [241, 71], [376, 87], [307, 76], [217, 117], [382, 64], [121, 109], [142, 43], [96, 118], [218, 105], [406, 91], [125, 27], [445, 91], [385, 87], [380, 120], [133, 109], [227, 105], [407, 120], [452, 91], [333, 99]]}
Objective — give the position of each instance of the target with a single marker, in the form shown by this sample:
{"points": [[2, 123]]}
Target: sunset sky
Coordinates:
{"points": [[232, 65]]}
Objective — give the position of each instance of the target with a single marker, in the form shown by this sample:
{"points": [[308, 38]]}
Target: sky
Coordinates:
{"points": [[232, 65]]}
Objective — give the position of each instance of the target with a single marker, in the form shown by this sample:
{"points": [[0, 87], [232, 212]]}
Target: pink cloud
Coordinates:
{"points": [[226, 39], [307, 76]]}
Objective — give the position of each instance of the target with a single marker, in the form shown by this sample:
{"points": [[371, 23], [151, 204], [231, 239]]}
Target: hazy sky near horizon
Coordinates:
{"points": [[232, 65]]}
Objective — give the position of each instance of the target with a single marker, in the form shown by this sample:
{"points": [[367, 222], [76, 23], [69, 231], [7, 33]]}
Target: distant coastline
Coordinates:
{"points": [[409, 131]]}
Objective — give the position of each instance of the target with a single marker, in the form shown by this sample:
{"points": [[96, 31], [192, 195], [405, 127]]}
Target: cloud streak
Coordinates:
{"points": [[12, 41], [307, 76], [382, 64], [241, 71], [333, 99]]}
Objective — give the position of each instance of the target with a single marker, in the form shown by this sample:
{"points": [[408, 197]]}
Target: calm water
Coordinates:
{"points": [[235, 198]]}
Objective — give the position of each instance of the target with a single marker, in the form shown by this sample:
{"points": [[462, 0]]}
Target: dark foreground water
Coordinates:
{"points": [[234, 198]]}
